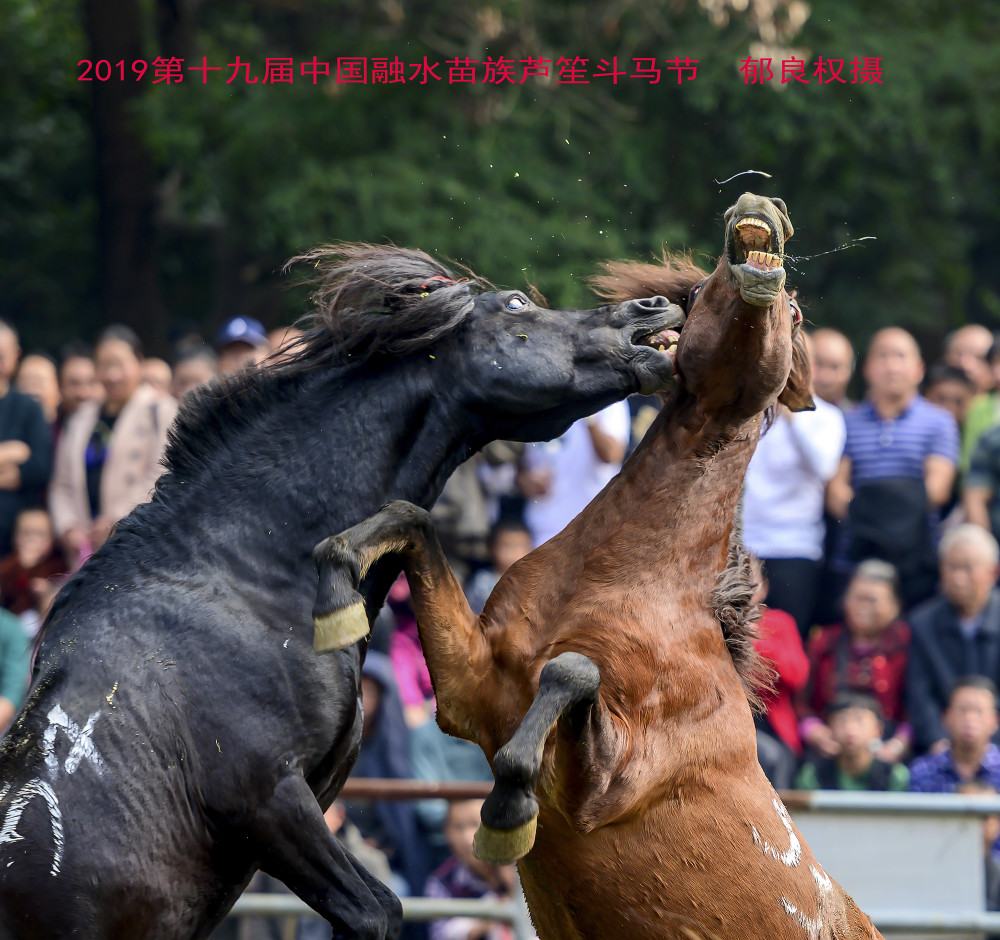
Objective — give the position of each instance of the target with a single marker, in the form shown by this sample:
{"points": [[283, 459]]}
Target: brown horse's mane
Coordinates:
{"points": [[738, 617], [672, 278]]}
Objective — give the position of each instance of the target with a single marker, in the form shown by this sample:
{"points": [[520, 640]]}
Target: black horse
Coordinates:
{"points": [[181, 731]]}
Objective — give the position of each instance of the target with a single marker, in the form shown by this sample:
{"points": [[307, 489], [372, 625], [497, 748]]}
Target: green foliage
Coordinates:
{"points": [[534, 182], [48, 213]]}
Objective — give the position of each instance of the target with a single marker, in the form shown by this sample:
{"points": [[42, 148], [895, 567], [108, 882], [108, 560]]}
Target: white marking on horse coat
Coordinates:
{"points": [[9, 833], [81, 747], [791, 857], [813, 926]]}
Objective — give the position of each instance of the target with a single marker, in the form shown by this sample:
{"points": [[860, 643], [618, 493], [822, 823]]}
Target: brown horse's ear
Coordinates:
{"points": [[796, 395], [786, 223]]}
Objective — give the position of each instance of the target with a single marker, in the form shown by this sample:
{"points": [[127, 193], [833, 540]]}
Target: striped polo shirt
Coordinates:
{"points": [[880, 448]]}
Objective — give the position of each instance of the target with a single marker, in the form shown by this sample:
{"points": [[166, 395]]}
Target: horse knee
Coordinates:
{"points": [[406, 514], [575, 673]]}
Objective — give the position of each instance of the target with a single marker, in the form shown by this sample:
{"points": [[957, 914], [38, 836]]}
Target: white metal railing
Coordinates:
{"points": [[854, 816]]}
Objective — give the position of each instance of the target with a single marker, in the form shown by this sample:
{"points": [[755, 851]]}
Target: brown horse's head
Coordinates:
{"points": [[742, 346], [756, 231]]}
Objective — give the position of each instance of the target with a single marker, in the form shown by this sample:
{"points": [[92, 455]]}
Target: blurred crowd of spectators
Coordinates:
{"points": [[875, 522]]}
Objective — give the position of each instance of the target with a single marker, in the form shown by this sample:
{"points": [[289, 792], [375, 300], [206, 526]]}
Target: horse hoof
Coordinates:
{"points": [[504, 846], [340, 628]]}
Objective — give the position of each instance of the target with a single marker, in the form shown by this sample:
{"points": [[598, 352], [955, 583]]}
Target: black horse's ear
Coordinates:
{"points": [[797, 394]]}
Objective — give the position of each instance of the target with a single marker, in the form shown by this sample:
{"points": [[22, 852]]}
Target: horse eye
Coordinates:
{"points": [[516, 302]]}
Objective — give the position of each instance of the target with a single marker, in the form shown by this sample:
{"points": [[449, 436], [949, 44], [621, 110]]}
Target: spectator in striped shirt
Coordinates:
{"points": [[897, 470]]}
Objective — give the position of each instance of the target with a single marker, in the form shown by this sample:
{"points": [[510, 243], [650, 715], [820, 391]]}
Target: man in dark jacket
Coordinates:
{"points": [[956, 633], [25, 443]]}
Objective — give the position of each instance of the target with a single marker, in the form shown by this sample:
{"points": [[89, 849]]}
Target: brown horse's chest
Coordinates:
{"points": [[724, 868]]}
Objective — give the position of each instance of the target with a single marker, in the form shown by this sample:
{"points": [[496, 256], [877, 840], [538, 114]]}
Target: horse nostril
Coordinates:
{"points": [[651, 304]]}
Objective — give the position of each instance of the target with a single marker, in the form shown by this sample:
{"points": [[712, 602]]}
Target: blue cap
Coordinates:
{"points": [[242, 330]]}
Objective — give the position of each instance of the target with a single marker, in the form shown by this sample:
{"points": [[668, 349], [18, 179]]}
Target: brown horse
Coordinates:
{"points": [[608, 678]]}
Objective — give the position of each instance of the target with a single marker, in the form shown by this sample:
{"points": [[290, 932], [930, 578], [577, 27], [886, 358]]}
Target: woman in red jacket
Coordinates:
{"points": [[778, 642], [866, 653]]}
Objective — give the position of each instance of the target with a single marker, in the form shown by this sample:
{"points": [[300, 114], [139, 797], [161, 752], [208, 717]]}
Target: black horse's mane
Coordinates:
{"points": [[370, 302]]}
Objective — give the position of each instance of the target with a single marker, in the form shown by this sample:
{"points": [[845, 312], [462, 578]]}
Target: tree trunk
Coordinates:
{"points": [[125, 186]]}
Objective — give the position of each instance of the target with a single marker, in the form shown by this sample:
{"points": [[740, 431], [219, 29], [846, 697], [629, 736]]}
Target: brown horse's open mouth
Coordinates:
{"points": [[752, 237], [755, 250]]}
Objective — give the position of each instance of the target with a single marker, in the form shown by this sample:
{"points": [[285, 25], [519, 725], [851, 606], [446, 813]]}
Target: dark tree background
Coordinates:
{"points": [[171, 207]]}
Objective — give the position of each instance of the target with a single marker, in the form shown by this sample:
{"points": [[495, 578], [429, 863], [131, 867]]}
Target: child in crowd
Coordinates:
{"points": [[464, 876], [510, 540], [28, 573], [855, 722]]}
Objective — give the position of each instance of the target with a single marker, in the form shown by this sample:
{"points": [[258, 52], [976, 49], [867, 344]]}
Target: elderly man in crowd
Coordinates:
{"points": [[898, 468], [967, 349], [956, 633], [832, 366]]}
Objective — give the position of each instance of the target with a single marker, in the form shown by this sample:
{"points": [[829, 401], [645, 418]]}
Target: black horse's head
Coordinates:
{"points": [[526, 369]]}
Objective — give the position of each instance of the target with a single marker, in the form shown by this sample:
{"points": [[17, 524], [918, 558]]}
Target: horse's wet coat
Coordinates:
{"points": [[181, 731]]}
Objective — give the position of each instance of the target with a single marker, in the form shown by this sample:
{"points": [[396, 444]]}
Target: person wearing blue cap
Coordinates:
{"points": [[241, 342]]}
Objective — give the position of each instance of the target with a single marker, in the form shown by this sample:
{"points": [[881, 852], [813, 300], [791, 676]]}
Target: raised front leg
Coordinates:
{"points": [[457, 653], [298, 848], [567, 689]]}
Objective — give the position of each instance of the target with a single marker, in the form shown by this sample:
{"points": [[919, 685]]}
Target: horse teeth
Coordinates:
{"points": [[661, 347], [764, 258]]}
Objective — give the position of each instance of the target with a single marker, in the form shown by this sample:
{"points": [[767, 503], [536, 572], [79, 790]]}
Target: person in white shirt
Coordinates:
{"points": [[560, 477], [783, 503]]}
